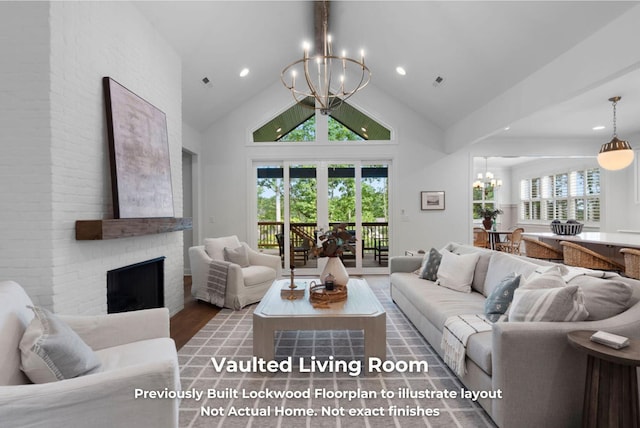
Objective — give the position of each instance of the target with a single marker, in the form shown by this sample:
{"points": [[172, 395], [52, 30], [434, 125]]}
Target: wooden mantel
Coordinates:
{"points": [[127, 227]]}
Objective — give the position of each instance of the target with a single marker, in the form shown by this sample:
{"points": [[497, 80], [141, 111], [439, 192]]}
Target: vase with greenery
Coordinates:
{"points": [[332, 244], [489, 214]]}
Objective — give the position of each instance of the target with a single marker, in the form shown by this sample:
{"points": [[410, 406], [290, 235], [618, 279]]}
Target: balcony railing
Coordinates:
{"points": [[372, 234]]}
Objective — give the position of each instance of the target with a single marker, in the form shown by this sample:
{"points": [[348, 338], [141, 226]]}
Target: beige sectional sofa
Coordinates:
{"points": [[540, 375]]}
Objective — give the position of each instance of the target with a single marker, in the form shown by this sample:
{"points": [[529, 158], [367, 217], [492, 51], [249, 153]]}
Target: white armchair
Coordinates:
{"points": [[135, 352], [245, 285]]}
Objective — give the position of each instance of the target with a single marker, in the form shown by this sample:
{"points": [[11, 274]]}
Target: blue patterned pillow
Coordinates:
{"points": [[498, 301], [430, 271]]}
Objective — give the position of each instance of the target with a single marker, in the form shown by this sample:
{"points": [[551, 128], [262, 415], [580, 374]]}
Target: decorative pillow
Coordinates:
{"points": [[548, 304], [239, 255], [501, 264], [544, 277], [425, 259], [52, 351], [603, 298], [500, 298], [430, 270], [456, 271]]}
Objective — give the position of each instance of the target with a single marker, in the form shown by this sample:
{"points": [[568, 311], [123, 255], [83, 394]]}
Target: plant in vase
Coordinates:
{"points": [[489, 214], [332, 244]]}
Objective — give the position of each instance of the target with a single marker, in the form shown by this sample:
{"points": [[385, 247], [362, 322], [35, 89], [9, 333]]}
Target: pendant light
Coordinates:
{"points": [[616, 154]]}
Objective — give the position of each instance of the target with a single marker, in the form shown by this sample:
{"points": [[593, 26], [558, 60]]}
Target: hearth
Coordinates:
{"points": [[135, 287]]}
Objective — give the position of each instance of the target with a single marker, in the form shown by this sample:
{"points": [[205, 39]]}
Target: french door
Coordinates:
{"points": [[296, 200]]}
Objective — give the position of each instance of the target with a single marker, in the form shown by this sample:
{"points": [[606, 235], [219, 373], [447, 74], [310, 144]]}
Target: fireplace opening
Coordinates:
{"points": [[135, 287]]}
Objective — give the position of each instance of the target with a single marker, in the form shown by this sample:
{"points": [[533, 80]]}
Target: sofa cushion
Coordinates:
{"points": [[544, 277], [603, 298], [136, 353], [14, 319], [215, 246], [437, 304], [498, 301], [239, 255], [456, 271], [256, 274], [430, 269], [481, 266], [548, 304], [501, 265], [52, 351], [479, 349]]}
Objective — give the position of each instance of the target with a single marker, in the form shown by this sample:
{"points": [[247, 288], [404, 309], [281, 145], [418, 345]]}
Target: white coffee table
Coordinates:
{"points": [[361, 311]]}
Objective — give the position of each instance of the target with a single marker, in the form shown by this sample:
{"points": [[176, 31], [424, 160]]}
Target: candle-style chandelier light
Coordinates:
{"points": [[327, 78], [486, 181]]}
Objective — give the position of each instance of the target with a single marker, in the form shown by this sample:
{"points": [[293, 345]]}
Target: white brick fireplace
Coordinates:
{"points": [[54, 168]]}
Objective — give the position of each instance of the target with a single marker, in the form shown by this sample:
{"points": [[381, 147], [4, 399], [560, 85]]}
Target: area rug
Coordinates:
{"points": [[299, 398]]}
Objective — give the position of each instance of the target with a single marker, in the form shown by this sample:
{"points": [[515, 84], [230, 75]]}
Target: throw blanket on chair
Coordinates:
{"points": [[217, 281], [455, 335]]}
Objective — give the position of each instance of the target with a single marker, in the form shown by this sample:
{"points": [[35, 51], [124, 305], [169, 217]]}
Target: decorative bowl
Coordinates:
{"points": [[566, 228]]}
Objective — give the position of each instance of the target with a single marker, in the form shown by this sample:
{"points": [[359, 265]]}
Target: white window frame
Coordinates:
{"points": [[547, 204]]}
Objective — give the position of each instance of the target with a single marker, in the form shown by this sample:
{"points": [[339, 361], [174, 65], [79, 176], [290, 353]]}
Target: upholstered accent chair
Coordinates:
{"points": [[247, 282], [133, 349]]}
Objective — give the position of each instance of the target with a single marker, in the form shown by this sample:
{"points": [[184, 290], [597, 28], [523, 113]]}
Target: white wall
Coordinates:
{"points": [[63, 69], [26, 244], [228, 154], [418, 164], [192, 144]]}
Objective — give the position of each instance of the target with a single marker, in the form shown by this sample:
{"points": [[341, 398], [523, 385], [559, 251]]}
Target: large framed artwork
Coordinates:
{"points": [[431, 201], [139, 155]]}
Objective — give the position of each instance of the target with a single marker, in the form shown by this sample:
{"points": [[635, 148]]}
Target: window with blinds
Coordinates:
{"points": [[563, 196]]}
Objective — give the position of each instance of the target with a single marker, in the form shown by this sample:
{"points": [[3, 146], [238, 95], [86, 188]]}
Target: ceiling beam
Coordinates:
{"points": [[320, 24]]}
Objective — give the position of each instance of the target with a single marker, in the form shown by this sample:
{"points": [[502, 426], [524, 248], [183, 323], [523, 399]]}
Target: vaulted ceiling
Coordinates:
{"points": [[480, 48]]}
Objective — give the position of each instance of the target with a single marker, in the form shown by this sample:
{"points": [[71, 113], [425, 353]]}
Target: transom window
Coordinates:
{"points": [[298, 124], [562, 196]]}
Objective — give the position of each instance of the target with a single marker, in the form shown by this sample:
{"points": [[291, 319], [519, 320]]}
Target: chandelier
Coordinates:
{"points": [[486, 181], [327, 78], [616, 154]]}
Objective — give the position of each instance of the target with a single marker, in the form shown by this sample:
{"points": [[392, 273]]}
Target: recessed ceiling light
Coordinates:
{"points": [[506, 128], [597, 128], [363, 129], [401, 71], [279, 129], [244, 72]]}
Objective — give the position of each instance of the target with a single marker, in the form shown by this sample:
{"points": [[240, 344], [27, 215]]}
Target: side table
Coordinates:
{"points": [[611, 386]]}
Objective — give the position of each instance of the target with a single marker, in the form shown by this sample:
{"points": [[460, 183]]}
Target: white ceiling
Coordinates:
{"points": [[481, 48]]}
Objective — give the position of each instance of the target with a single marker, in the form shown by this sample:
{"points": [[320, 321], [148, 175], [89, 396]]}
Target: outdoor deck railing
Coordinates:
{"points": [[372, 233]]}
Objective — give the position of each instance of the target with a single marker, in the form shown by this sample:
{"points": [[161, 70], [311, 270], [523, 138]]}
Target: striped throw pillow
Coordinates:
{"points": [[548, 304]]}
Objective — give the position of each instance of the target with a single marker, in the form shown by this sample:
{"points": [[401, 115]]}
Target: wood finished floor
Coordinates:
{"points": [[195, 315]]}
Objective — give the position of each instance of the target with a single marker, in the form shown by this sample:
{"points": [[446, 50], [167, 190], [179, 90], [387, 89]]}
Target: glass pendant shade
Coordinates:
{"points": [[615, 155]]}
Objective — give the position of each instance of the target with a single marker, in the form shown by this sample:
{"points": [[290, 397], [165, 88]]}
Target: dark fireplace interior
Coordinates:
{"points": [[135, 287]]}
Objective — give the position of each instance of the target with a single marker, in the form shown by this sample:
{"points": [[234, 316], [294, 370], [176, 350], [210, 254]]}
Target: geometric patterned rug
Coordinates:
{"points": [[238, 399]]}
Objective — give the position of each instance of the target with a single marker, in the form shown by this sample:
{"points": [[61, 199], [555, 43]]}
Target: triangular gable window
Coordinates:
{"points": [[346, 123]]}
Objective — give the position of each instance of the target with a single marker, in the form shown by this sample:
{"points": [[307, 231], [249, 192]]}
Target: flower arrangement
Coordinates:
{"points": [[334, 242], [490, 213]]}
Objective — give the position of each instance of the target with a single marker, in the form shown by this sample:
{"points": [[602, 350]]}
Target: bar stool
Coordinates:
{"points": [[577, 255], [540, 250], [631, 262]]}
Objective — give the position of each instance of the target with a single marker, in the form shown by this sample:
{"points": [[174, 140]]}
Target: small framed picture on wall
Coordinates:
{"points": [[431, 201]]}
